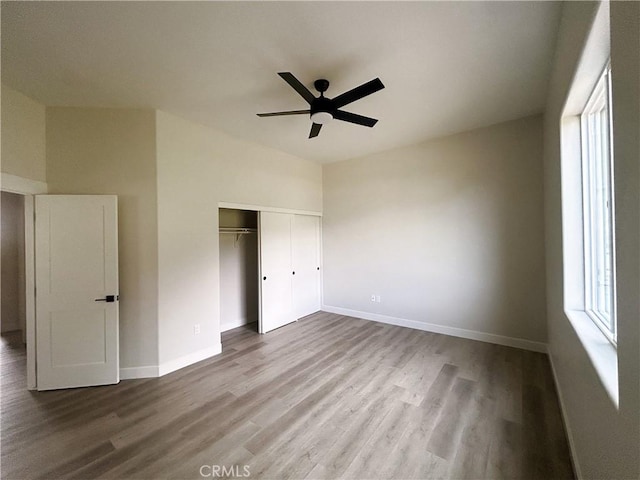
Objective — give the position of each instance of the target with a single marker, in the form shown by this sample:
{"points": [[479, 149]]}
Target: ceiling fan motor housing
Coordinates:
{"points": [[322, 105]]}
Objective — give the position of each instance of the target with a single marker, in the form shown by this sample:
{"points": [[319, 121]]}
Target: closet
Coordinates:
{"points": [[269, 268], [289, 268], [238, 268]]}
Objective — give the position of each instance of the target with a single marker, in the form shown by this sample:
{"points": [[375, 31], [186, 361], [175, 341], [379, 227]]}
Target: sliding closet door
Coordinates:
{"points": [[276, 298], [305, 239]]}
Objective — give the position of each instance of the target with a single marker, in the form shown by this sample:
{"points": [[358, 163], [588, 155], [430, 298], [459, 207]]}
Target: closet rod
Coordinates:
{"points": [[238, 232]]}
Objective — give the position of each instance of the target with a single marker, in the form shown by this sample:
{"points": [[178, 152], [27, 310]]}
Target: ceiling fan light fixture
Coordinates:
{"points": [[321, 117]]}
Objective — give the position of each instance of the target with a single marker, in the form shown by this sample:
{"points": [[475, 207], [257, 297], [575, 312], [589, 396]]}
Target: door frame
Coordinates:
{"points": [[27, 188], [259, 208]]}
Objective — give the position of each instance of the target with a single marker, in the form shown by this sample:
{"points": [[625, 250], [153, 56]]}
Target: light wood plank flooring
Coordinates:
{"points": [[326, 397]]}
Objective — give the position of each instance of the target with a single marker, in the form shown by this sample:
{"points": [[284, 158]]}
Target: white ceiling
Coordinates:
{"points": [[447, 66]]}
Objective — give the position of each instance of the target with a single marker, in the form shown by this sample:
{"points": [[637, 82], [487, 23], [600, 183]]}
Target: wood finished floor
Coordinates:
{"points": [[326, 397]]}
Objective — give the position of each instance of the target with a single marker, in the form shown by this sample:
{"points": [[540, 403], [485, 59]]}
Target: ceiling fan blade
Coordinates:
{"points": [[354, 118], [358, 93], [298, 86], [278, 114], [315, 130]]}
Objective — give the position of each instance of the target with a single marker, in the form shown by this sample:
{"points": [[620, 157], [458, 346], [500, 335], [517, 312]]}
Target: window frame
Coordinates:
{"points": [[596, 153]]}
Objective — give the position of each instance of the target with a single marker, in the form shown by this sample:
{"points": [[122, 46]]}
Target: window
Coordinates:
{"points": [[598, 208], [588, 209]]}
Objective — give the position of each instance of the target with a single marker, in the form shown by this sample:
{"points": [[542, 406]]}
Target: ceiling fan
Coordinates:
{"points": [[323, 109]]}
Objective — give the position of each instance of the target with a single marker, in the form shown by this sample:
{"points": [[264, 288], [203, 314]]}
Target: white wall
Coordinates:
{"points": [[197, 168], [605, 440], [13, 314], [448, 232], [112, 151], [23, 136]]}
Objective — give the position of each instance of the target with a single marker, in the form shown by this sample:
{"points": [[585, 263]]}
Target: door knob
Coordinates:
{"points": [[294, 273], [264, 278]]}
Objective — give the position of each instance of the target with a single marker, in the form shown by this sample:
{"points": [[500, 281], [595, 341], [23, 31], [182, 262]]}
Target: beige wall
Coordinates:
{"points": [[448, 232], [605, 439], [12, 262], [112, 151], [168, 213], [23, 136], [198, 168], [625, 63]]}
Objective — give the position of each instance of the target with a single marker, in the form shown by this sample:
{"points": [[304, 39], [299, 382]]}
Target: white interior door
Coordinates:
{"points": [[76, 290], [306, 264], [276, 303]]}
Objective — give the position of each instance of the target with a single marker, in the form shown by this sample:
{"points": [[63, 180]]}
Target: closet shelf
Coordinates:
{"points": [[238, 232]]}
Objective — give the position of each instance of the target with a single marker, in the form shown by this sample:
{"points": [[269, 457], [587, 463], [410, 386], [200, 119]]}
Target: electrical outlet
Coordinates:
{"points": [[373, 297], [196, 329], [377, 298]]}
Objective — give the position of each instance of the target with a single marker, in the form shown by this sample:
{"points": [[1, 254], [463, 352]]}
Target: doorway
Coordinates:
{"points": [[17, 195], [13, 317], [239, 295]]}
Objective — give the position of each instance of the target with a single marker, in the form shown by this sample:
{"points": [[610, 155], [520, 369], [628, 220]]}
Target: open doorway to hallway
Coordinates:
{"points": [[13, 310]]}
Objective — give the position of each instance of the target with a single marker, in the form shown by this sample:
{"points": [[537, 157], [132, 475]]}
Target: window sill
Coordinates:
{"points": [[601, 352]]}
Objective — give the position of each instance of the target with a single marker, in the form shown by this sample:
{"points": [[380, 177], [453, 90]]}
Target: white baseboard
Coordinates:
{"points": [[130, 373], [565, 419], [10, 327], [452, 331], [239, 322], [152, 371], [190, 359]]}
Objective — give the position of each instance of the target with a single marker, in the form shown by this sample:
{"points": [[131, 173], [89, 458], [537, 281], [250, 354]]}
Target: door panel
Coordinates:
{"points": [[276, 307], [76, 264], [85, 330], [306, 262], [80, 245]]}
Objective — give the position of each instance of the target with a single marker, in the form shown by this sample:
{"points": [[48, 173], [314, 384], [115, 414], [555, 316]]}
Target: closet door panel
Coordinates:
{"points": [[275, 271], [306, 262]]}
